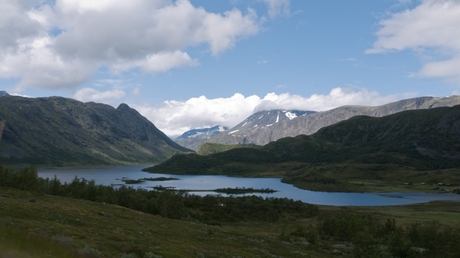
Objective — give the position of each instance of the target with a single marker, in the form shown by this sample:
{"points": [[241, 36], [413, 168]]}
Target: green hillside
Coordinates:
{"points": [[211, 148], [57, 131]]}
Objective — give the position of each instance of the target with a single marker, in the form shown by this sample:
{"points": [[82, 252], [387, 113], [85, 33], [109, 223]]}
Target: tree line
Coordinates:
{"points": [[169, 204]]}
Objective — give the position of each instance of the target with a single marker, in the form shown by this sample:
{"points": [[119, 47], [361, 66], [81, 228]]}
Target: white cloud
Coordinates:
{"points": [[432, 28], [64, 45], [277, 7], [319, 102], [110, 96], [161, 62], [136, 91], [176, 117]]}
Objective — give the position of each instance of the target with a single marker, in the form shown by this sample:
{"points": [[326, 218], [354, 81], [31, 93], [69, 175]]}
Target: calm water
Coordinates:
{"points": [[108, 176]]}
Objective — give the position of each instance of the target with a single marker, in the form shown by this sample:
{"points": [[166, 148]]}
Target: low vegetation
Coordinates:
{"points": [[43, 218], [211, 148]]}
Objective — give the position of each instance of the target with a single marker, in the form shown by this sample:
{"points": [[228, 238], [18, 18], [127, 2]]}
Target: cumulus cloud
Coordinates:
{"points": [[176, 117], [110, 96], [62, 45], [277, 7], [432, 28], [320, 102]]}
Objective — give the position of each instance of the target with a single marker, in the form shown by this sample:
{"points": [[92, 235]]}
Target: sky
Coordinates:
{"points": [[188, 64]]}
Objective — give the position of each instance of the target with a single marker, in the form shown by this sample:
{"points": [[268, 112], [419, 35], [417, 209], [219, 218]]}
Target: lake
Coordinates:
{"points": [[113, 175]]}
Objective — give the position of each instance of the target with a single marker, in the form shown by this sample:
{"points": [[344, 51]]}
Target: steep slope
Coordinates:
{"points": [[59, 131], [421, 139], [193, 139], [311, 123]]}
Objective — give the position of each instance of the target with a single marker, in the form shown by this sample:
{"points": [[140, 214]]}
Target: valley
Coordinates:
{"points": [[414, 151]]}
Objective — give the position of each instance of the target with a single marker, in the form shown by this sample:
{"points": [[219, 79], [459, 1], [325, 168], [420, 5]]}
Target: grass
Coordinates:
{"points": [[37, 225], [350, 177], [114, 231]]}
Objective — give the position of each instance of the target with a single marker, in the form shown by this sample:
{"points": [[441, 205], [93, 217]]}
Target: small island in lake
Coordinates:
{"points": [[229, 190], [140, 180], [244, 190], [160, 178]]}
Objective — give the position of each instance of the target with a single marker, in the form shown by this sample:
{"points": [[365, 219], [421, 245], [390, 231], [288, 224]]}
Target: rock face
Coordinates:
{"points": [[58, 131], [310, 123]]}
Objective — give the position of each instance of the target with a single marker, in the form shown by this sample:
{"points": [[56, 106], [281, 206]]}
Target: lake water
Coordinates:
{"points": [[108, 176]]}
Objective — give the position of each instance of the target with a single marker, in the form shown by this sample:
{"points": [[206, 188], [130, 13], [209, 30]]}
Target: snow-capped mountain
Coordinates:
{"points": [[260, 128], [266, 126], [251, 126], [195, 137], [203, 132], [256, 127], [263, 119]]}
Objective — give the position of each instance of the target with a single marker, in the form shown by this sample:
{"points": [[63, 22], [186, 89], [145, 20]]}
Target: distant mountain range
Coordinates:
{"points": [[416, 139], [195, 137], [250, 126], [264, 127], [57, 131]]}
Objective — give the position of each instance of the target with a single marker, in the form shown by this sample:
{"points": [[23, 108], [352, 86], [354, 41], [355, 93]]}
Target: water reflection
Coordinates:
{"points": [[108, 176]]}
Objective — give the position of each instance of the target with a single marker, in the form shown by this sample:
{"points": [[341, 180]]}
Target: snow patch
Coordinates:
{"points": [[290, 115], [233, 131], [277, 118], [196, 134]]}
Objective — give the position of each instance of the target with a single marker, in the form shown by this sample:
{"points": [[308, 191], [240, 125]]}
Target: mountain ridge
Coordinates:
{"points": [[311, 123], [421, 139], [57, 131]]}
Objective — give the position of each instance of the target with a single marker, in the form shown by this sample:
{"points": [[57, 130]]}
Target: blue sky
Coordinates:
{"points": [[195, 63]]}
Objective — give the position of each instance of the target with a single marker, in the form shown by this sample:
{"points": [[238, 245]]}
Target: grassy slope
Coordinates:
{"points": [[211, 148], [62, 227], [114, 230]]}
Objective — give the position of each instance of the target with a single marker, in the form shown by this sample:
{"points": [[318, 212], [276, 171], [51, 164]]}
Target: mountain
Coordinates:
{"points": [[261, 133], [203, 132], [193, 139], [249, 130], [58, 131], [208, 148], [3, 93], [417, 139]]}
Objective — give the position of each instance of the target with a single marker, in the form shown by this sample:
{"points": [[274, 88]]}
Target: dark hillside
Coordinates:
{"points": [[58, 131], [421, 139]]}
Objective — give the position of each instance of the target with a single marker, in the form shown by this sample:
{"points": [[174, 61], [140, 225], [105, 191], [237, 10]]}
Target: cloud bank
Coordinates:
{"points": [[431, 29], [176, 117], [63, 45]]}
